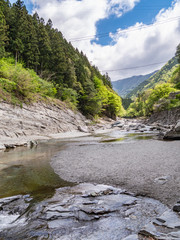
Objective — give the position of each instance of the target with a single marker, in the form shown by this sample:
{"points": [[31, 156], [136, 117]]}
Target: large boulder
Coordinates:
{"points": [[174, 133]]}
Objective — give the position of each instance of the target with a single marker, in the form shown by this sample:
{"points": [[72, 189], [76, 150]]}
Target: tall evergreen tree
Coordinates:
{"points": [[18, 23], [30, 41], [3, 29], [43, 45]]}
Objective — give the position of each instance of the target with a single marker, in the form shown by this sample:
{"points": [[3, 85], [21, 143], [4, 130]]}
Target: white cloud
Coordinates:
{"points": [[138, 45], [118, 7]]}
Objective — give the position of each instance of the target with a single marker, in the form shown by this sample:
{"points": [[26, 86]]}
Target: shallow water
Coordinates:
{"points": [[28, 171], [126, 137]]}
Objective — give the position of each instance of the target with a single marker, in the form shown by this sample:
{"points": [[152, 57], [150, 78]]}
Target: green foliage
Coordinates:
{"points": [[176, 78], [68, 95], [111, 103], [3, 30], [126, 102], [23, 84], [151, 100], [178, 53], [162, 76], [63, 72]]}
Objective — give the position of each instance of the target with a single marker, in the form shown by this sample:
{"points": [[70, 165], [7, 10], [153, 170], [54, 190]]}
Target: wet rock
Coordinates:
{"points": [[105, 213], [176, 207], [10, 145], [11, 209], [32, 144]]}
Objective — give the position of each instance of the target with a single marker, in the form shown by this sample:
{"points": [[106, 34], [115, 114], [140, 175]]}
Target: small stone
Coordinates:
{"points": [[83, 129], [32, 143], [176, 207], [131, 237], [162, 179], [9, 145]]}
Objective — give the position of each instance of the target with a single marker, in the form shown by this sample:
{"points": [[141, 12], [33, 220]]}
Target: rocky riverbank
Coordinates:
{"points": [[126, 154], [23, 126], [88, 211], [20, 126], [166, 117]]}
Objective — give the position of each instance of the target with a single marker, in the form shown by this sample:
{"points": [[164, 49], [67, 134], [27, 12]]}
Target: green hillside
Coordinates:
{"points": [[45, 65], [159, 77], [161, 92]]}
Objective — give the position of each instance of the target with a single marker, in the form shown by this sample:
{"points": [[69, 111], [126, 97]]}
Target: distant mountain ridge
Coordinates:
{"points": [[162, 76], [127, 85]]}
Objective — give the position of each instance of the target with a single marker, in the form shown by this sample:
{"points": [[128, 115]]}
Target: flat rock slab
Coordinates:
{"points": [[88, 211]]}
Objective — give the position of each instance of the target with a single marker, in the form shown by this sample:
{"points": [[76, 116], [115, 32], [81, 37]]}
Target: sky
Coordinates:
{"points": [[121, 37]]}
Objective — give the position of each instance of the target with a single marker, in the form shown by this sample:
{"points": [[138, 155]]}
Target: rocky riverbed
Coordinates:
{"points": [[143, 204], [88, 211]]}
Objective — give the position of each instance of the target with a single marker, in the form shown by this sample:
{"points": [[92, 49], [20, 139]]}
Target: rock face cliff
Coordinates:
{"points": [[37, 119], [166, 117]]}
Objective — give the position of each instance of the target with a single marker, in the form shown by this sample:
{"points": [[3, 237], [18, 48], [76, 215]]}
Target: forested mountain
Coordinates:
{"points": [[161, 91], [126, 85], [159, 77], [43, 49]]}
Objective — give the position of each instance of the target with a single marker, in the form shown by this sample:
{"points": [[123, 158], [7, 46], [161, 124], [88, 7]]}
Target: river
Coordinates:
{"points": [[134, 161]]}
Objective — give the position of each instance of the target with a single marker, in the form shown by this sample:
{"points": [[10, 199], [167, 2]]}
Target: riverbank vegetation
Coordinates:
{"points": [[161, 97], [37, 61]]}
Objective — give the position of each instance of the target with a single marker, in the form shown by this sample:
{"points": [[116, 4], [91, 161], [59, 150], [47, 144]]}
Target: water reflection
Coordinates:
{"points": [[28, 171], [126, 137]]}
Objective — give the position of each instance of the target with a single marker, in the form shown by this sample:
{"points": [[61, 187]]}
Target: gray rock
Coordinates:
{"points": [[174, 133], [162, 179], [10, 145], [115, 123], [32, 143], [177, 126], [2, 147], [169, 219], [83, 129], [37, 119], [176, 207], [175, 234], [105, 213], [132, 237]]}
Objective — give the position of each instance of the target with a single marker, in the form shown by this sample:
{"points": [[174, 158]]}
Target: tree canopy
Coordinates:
{"points": [[42, 48]]}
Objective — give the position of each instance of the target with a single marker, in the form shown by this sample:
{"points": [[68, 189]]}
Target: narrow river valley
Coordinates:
{"points": [[114, 184]]}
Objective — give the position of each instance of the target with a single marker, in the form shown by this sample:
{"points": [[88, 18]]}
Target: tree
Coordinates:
{"points": [[30, 41], [3, 30], [17, 28], [43, 45]]}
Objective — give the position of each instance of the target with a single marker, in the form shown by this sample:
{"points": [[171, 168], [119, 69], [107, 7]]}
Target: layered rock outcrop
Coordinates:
{"points": [[38, 119], [166, 117]]}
